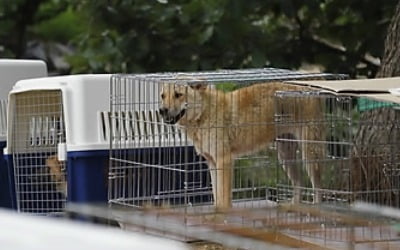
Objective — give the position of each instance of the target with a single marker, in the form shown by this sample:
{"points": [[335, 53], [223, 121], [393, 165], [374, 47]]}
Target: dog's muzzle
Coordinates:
{"points": [[171, 119]]}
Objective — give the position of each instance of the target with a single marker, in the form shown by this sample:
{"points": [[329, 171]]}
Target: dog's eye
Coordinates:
{"points": [[177, 95], [162, 96]]}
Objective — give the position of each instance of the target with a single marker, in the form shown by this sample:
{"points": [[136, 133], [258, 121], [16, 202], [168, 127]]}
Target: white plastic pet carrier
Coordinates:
{"points": [[12, 70], [56, 143]]}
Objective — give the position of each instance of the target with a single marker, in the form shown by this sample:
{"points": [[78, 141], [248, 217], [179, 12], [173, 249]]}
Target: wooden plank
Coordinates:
{"points": [[272, 237], [347, 219]]}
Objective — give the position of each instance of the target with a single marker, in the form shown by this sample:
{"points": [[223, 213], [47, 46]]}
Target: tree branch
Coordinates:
{"points": [[336, 48]]}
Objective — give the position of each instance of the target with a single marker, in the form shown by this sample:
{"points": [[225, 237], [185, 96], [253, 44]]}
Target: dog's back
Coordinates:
{"points": [[253, 114]]}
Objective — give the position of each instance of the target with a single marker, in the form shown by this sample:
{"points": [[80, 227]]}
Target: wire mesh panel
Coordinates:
{"points": [[376, 152], [38, 127], [357, 143], [195, 138], [163, 168]]}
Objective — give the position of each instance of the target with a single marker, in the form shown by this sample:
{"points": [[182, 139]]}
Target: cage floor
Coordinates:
{"points": [[294, 226]]}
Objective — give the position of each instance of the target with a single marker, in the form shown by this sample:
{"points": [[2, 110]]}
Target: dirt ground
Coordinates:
{"points": [[209, 246]]}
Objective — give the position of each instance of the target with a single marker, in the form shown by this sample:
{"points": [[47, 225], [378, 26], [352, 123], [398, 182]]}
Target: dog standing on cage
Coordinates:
{"points": [[224, 126]]}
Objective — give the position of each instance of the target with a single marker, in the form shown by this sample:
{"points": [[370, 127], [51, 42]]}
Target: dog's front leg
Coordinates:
{"points": [[222, 183], [221, 180], [213, 173]]}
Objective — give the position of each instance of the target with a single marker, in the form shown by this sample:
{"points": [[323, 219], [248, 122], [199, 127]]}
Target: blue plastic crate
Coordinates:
{"points": [[6, 194], [87, 173]]}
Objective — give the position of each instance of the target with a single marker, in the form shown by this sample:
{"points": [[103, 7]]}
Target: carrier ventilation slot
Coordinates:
{"points": [[137, 126], [43, 130]]}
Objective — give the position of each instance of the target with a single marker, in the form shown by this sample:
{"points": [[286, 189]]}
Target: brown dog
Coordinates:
{"points": [[224, 126], [57, 174]]}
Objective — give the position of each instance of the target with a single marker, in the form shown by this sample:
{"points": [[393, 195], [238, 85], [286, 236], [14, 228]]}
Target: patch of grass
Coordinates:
{"points": [[227, 86]]}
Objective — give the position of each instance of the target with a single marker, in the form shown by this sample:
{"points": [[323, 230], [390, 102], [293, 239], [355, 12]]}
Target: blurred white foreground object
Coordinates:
{"points": [[24, 232]]}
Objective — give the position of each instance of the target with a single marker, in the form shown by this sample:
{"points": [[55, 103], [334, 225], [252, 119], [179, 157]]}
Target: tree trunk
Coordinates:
{"points": [[391, 58], [376, 148], [24, 16]]}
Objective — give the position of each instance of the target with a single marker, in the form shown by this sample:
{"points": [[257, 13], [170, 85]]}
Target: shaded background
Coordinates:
{"points": [[84, 36]]}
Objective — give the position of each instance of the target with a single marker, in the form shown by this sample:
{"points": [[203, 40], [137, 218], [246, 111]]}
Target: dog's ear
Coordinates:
{"points": [[199, 86]]}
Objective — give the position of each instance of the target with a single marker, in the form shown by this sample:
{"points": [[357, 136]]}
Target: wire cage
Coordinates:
{"points": [[330, 149], [358, 148], [164, 138], [11, 71]]}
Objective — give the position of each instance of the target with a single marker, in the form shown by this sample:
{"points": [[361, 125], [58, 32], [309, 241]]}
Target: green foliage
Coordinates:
{"points": [[227, 86], [21, 21], [198, 35], [161, 35], [89, 59], [253, 176], [62, 27]]}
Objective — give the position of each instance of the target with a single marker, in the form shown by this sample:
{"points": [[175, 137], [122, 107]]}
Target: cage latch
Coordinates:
{"points": [[62, 151]]}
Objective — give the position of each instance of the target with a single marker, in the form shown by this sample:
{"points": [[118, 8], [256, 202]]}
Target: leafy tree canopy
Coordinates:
{"points": [[161, 35]]}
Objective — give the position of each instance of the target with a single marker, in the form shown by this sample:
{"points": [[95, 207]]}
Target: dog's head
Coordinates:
{"points": [[180, 102]]}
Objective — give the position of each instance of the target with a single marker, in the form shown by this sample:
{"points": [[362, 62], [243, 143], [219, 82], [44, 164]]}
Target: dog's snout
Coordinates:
{"points": [[163, 111]]}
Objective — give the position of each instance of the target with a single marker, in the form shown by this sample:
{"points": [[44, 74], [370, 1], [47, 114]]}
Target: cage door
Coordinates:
{"points": [[37, 128]]}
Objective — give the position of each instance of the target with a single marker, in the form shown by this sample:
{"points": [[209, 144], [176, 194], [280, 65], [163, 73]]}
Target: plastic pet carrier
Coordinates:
{"points": [[11, 71]]}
